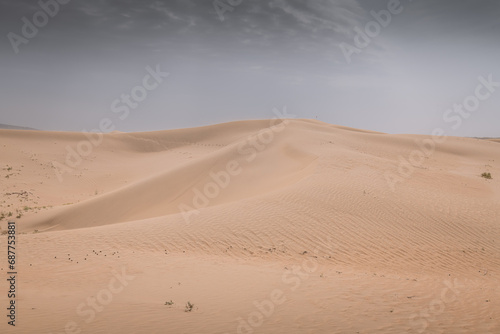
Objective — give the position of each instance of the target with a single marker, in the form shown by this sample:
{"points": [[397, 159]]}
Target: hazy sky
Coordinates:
{"points": [[239, 59]]}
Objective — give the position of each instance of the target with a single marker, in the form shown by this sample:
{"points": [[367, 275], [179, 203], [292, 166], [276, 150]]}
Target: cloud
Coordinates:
{"points": [[338, 16]]}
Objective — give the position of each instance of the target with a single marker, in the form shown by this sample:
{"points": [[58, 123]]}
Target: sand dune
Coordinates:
{"points": [[285, 226], [14, 127]]}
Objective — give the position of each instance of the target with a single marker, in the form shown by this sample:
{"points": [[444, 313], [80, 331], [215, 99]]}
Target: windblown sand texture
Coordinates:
{"points": [[307, 236]]}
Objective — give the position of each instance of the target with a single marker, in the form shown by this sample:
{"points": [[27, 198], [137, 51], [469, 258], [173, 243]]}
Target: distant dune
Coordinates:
{"points": [[13, 127], [292, 226], [488, 138]]}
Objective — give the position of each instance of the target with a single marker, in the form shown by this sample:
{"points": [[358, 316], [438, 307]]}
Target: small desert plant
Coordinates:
{"points": [[19, 215], [486, 175], [169, 303], [189, 307]]}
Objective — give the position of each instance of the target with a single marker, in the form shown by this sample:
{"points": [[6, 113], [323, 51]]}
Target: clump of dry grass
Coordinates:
{"points": [[486, 175]]}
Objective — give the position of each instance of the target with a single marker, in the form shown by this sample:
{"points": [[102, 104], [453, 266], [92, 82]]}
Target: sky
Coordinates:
{"points": [[142, 65]]}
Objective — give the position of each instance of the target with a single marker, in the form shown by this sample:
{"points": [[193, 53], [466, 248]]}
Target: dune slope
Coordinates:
{"points": [[360, 231]]}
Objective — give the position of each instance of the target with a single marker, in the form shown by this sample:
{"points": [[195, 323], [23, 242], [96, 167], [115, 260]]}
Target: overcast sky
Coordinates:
{"points": [[240, 59]]}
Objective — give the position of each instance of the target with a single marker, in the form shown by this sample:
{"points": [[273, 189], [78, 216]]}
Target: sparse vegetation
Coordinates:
{"points": [[169, 303], [189, 307], [486, 175]]}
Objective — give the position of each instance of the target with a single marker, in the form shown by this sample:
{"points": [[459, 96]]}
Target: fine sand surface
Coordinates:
{"points": [[297, 226]]}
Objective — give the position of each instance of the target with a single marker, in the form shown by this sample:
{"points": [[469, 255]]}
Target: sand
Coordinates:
{"points": [[296, 226]]}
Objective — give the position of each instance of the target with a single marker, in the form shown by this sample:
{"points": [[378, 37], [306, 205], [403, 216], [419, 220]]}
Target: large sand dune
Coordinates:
{"points": [[293, 226]]}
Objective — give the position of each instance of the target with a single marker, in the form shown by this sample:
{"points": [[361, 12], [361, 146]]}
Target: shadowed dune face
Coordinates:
{"points": [[385, 211], [257, 164]]}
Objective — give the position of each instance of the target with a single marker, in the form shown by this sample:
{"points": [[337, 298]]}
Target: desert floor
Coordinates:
{"points": [[265, 226]]}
